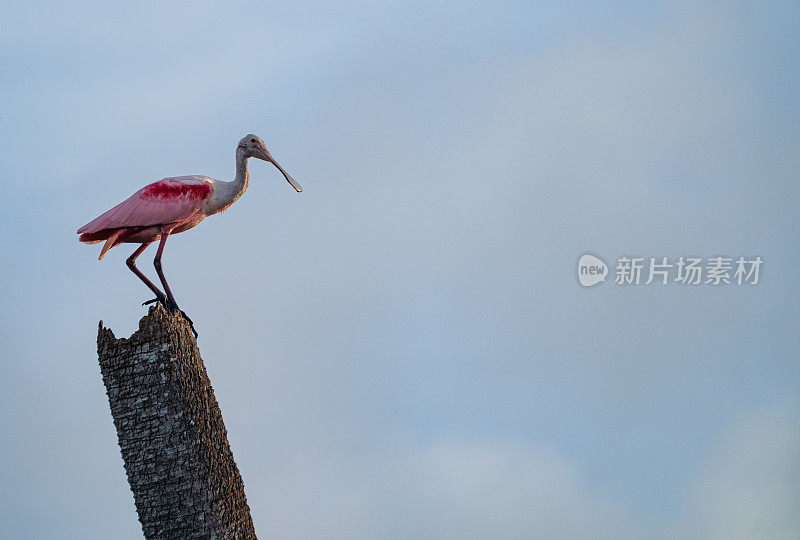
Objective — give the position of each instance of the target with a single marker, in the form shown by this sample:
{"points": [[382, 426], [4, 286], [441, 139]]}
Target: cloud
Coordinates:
{"points": [[449, 488], [749, 489], [456, 487]]}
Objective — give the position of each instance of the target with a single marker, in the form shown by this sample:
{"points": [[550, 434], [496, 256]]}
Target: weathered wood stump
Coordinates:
{"points": [[174, 444]]}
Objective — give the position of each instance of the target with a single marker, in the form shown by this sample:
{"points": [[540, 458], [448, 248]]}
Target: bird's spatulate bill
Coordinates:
{"points": [[289, 179]]}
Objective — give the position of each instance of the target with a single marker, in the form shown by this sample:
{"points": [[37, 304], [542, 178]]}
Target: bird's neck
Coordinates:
{"points": [[227, 193], [242, 179]]}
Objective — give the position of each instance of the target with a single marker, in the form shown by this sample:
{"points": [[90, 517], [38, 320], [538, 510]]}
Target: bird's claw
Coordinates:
{"points": [[191, 324], [161, 298]]}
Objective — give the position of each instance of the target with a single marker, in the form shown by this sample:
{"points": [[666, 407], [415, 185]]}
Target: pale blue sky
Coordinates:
{"points": [[402, 350]]}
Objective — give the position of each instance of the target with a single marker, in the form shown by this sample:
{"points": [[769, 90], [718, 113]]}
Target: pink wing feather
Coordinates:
{"points": [[167, 201]]}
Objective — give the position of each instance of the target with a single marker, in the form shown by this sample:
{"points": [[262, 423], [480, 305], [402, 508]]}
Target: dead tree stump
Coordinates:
{"points": [[174, 444]]}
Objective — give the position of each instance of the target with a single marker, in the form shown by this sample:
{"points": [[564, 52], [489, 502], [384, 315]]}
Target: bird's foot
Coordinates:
{"points": [[172, 306]]}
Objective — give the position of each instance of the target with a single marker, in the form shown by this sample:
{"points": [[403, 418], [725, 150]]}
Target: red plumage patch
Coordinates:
{"points": [[171, 190]]}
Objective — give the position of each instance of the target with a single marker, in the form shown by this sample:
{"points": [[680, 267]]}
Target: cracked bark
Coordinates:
{"points": [[174, 444]]}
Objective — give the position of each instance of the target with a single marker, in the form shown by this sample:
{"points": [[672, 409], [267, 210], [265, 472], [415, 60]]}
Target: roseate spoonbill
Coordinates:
{"points": [[171, 206]]}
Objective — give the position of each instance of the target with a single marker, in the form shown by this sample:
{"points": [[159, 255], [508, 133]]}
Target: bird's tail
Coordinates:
{"points": [[109, 243]]}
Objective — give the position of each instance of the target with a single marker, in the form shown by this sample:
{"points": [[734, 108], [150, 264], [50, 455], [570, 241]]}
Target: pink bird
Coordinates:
{"points": [[171, 206]]}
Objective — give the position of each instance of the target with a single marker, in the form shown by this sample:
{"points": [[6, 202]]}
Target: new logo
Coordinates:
{"points": [[591, 270]]}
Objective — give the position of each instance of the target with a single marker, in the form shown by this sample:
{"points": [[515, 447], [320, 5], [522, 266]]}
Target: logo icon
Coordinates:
{"points": [[591, 270]]}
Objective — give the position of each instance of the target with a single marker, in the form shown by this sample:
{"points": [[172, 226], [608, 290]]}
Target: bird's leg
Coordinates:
{"points": [[170, 303], [131, 262]]}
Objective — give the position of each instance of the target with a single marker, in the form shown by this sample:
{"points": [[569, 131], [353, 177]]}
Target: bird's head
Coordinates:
{"points": [[252, 146]]}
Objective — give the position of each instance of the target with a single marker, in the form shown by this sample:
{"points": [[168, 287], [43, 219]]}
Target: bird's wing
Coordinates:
{"points": [[166, 201]]}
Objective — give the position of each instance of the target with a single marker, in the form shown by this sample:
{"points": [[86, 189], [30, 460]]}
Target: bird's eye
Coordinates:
{"points": [[252, 140]]}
